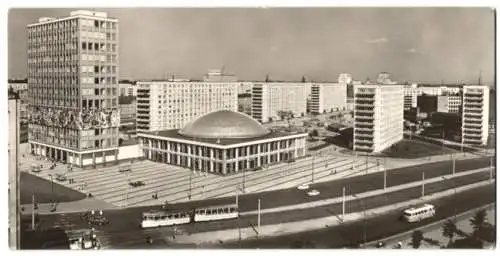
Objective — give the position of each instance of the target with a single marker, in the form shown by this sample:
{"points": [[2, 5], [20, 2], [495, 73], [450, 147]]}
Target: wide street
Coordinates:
{"points": [[352, 234], [124, 229]]}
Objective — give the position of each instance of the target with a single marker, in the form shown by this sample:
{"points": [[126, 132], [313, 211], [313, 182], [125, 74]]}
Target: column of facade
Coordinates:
{"points": [[279, 150], [93, 159], [237, 157], [200, 155], [258, 154], [224, 161], [247, 166], [189, 155], [212, 160], [269, 150], [149, 148], [178, 152], [168, 152]]}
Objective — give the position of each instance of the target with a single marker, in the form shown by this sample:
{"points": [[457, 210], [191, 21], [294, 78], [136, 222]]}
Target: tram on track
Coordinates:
{"points": [[152, 219]]}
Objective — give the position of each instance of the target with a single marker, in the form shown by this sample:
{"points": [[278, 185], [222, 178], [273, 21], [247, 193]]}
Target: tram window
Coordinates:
{"points": [[197, 212], [226, 210]]}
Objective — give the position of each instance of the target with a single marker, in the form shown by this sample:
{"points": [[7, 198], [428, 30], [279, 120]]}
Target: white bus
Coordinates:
{"points": [[160, 218], [419, 213], [216, 213]]}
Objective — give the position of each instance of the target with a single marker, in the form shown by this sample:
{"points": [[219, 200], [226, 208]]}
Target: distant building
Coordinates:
{"points": [[223, 142], [384, 78], [454, 103], [411, 92], [18, 85], [269, 99], [432, 103], [128, 110], [475, 114], [378, 117], [218, 75], [171, 105], [245, 88], [344, 79], [328, 97], [128, 89], [245, 103]]}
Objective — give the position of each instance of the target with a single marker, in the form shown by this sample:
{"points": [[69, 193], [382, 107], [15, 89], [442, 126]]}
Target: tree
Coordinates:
{"points": [[267, 78], [303, 79], [416, 239], [448, 230], [478, 221]]}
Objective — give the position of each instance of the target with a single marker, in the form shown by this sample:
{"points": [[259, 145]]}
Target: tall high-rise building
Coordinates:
{"points": [[14, 196], [73, 88], [163, 105], [378, 117], [475, 114], [270, 100]]}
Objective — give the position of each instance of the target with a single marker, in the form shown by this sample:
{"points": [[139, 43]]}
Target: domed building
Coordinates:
{"points": [[222, 142]]}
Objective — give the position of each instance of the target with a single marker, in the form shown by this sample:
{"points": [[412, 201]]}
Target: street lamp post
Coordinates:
{"points": [[52, 182], [312, 170], [491, 169], [385, 178], [364, 222], [258, 217], [453, 163], [343, 203]]}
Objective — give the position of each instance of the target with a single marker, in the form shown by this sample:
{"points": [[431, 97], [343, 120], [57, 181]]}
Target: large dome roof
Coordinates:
{"points": [[224, 124]]}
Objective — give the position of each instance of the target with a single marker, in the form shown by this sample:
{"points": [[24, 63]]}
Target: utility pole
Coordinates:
{"points": [[364, 223], [385, 178], [258, 217], [453, 163], [33, 212], [312, 170], [243, 182], [190, 185], [343, 203], [423, 184], [366, 167], [237, 206]]}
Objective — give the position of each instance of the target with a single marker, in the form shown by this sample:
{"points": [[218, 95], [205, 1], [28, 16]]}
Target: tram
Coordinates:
{"points": [[154, 219]]}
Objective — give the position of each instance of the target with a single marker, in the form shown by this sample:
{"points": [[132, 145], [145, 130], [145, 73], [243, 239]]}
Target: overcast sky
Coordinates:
{"points": [[413, 44]]}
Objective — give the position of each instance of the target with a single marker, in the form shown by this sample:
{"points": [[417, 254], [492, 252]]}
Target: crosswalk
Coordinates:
{"points": [[177, 184]]}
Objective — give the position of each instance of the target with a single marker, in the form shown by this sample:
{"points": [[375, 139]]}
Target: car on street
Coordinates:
{"points": [[303, 187], [313, 192]]}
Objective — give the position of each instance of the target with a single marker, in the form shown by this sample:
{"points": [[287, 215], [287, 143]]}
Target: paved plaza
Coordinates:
{"points": [[175, 184]]}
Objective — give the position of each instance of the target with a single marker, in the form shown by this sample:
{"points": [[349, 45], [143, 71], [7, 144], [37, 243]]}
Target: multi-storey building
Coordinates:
{"points": [[411, 92], [432, 103], [454, 102], [13, 147], [269, 100], [165, 105], [218, 75], [245, 88], [345, 79], [475, 114], [328, 97], [128, 111], [378, 117], [73, 88], [127, 89]]}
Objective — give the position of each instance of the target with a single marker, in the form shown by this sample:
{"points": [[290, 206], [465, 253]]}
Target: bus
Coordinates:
{"points": [[417, 214], [155, 219], [221, 212]]}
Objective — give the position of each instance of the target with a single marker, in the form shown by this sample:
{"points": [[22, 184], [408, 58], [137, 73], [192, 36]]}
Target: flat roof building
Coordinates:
{"points": [[475, 114], [73, 88], [328, 97], [165, 105], [222, 142], [378, 117], [269, 99]]}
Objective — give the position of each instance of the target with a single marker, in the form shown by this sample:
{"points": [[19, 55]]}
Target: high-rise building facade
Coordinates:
{"points": [[14, 194], [475, 114], [163, 105], [378, 117], [73, 88], [270, 99], [328, 97]]}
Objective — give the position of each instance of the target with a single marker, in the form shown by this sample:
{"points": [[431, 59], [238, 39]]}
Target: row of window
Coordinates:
{"points": [[98, 46]]}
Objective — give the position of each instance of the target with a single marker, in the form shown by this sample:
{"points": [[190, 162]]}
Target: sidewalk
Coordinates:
{"points": [[434, 231], [308, 225], [83, 205]]}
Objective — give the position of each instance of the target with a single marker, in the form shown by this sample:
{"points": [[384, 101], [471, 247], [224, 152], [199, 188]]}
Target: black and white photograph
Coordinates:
{"points": [[253, 127]]}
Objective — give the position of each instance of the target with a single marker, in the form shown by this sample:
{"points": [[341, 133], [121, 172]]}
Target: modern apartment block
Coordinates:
{"points": [[269, 99], [475, 114], [163, 105], [73, 88], [328, 97], [411, 92], [127, 89], [454, 103], [378, 117], [14, 192]]}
